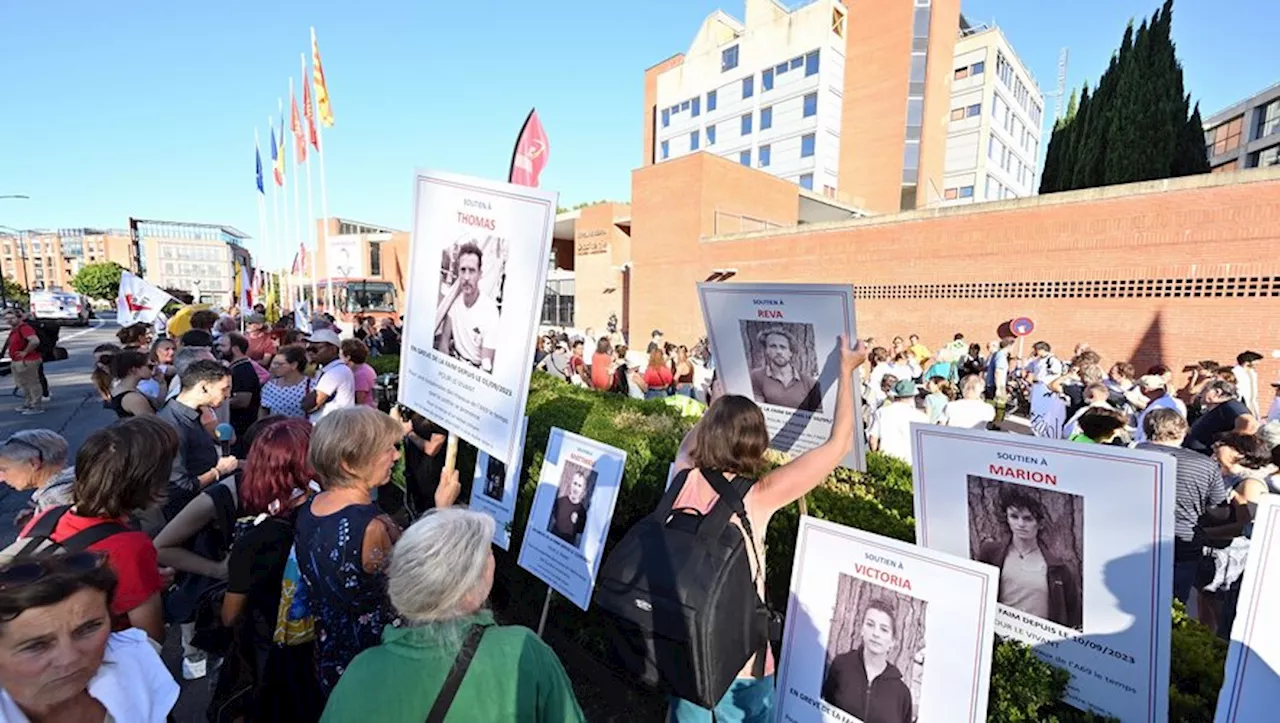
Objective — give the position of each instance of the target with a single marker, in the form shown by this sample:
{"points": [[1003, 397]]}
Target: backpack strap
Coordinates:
{"points": [[734, 495], [453, 681], [85, 539], [42, 529], [673, 491]]}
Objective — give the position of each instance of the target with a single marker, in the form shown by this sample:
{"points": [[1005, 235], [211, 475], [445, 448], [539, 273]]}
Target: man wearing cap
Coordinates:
{"points": [[890, 430], [467, 320], [1158, 397], [779, 381], [336, 388], [1246, 374]]}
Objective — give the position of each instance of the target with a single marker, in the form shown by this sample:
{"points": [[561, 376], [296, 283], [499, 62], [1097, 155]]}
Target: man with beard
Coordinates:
{"points": [[472, 324], [246, 389], [569, 513], [778, 381]]}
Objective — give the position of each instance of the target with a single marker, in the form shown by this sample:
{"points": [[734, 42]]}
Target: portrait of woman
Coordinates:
{"points": [[1033, 550], [864, 682]]}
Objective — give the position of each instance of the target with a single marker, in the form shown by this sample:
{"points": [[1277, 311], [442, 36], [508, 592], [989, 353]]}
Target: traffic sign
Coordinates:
{"points": [[1022, 326]]}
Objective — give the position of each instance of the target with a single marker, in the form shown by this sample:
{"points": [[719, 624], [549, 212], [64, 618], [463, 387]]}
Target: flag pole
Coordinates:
{"points": [[297, 218], [284, 242], [515, 151], [262, 209], [324, 195], [307, 114], [275, 210]]}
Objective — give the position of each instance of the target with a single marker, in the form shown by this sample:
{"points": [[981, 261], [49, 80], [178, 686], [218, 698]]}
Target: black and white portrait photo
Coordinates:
{"points": [[573, 497], [875, 652], [472, 276], [495, 479], [1035, 536], [783, 360]]}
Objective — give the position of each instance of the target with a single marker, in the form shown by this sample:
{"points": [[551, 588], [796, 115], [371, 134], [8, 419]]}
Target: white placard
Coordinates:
{"points": [[779, 345], [1083, 537], [671, 474], [478, 260], [1251, 683], [859, 600], [344, 257], [495, 487], [572, 509]]}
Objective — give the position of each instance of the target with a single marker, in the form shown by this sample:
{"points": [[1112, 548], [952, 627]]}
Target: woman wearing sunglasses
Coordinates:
{"points": [[59, 659], [130, 368]]}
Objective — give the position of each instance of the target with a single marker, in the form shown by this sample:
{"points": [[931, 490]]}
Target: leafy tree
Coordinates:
{"points": [[13, 291], [98, 281]]}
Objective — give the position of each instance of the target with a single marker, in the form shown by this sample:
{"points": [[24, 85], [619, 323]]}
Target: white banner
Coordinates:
{"points": [[344, 258], [571, 512], [478, 260], [779, 345], [862, 602], [495, 487], [1251, 683], [138, 301], [1083, 537]]}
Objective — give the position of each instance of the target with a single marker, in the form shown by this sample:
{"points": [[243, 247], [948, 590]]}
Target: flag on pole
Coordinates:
{"points": [[322, 90], [277, 160], [295, 125], [302, 317], [244, 297], [531, 153], [283, 147], [300, 260], [138, 301], [256, 289], [257, 161], [309, 112]]}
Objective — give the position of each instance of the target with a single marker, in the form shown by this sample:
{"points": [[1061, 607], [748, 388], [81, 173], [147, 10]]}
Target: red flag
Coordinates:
{"points": [[310, 113], [295, 125], [532, 151]]}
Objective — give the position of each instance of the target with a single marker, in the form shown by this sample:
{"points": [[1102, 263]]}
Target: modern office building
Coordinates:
{"points": [[196, 258], [1246, 135], [49, 259], [996, 117], [847, 99]]}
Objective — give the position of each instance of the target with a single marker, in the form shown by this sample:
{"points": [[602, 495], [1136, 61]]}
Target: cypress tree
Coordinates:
{"points": [[1129, 113], [1192, 157], [1071, 142]]}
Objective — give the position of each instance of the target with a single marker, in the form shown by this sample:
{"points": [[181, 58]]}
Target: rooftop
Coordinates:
{"points": [[229, 230], [1238, 107]]}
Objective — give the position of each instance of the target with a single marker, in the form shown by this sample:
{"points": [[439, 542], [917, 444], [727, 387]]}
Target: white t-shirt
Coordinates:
{"points": [[1044, 369], [968, 414], [339, 384], [891, 424], [473, 327], [1165, 402]]}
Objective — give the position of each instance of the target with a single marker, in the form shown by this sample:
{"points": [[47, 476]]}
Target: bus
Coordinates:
{"points": [[357, 297]]}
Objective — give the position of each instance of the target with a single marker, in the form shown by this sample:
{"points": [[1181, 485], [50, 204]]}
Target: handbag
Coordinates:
{"points": [[453, 681]]}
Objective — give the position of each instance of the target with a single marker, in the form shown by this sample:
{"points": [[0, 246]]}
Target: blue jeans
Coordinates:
{"points": [[748, 700]]}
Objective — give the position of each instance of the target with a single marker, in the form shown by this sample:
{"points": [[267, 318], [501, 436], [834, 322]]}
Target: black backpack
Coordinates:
{"points": [[683, 609]]}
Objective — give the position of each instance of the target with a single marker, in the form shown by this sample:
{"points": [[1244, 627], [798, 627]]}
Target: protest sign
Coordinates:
{"points": [[1083, 537], [572, 509], [1251, 683], [468, 337], [779, 345], [495, 486], [860, 600]]}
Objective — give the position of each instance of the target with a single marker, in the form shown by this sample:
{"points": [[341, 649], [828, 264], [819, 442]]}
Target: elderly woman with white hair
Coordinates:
{"points": [[449, 660], [35, 459]]}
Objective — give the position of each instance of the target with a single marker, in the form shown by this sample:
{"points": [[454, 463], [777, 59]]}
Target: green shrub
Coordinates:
{"points": [[385, 363]]}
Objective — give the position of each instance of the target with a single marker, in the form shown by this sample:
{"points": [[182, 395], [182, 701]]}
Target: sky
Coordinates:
{"points": [[148, 108]]}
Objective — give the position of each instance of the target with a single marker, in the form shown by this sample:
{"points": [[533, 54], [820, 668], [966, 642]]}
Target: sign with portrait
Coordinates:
{"points": [[1251, 682], [880, 630], [779, 345], [572, 509], [1082, 536], [468, 337], [495, 486], [344, 257]]}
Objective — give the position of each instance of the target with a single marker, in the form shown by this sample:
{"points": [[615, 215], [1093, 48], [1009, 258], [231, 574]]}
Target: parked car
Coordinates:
{"points": [[64, 307]]}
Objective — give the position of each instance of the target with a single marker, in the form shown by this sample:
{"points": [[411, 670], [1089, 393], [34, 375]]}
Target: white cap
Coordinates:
{"points": [[324, 336]]}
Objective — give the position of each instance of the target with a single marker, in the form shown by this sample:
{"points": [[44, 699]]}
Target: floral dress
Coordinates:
{"points": [[350, 605]]}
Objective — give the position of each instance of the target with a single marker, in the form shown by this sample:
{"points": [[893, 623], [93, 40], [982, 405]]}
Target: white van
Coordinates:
{"points": [[65, 307]]}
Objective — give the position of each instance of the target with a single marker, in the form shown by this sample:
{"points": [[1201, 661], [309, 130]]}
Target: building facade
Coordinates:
{"points": [[197, 258], [376, 256], [49, 259], [772, 92], [996, 117], [1246, 135]]}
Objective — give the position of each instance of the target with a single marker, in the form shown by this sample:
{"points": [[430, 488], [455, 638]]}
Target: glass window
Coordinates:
{"points": [[950, 194], [957, 114], [1269, 119], [973, 110], [806, 145], [748, 86], [375, 259], [745, 158], [920, 23], [806, 181], [697, 106], [796, 62], [811, 64], [765, 151], [766, 79], [1269, 157], [746, 124], [684, 105], [978, 68], [810, 105], [780, 69], [962, 73], [911, 156], [728, 58], [711, 100], [666, 150], [966, 192], [711, 135], [915, 111], [917, 67], [666, 117], [766, 118], [693, 141]]}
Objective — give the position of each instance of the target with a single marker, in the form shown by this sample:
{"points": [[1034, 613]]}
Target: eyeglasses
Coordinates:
{"points": [[24, 443], [34, 570]]}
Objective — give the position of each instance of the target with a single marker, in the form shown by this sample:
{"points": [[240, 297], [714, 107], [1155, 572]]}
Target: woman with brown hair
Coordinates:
{"points": [[657, 375], [684, 372], [731, 440], [101, 376], [129, 367]]}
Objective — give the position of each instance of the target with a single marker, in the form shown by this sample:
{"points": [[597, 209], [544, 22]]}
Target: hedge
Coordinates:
{"points": [[1023, 688]]}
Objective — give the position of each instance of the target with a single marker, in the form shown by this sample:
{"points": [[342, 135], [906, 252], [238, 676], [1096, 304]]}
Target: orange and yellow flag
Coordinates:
{"points": [[322, 90], [295, 125]]}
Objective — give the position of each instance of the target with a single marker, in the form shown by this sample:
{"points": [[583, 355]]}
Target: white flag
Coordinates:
{"points": [[302, 317], [138, 301]]}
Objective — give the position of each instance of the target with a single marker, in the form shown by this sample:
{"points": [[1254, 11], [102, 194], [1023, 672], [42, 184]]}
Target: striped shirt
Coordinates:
{"points": [[1199, 487]]}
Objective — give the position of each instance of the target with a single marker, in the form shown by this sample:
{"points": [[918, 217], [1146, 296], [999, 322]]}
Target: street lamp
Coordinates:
{"points": [[16, 195]]}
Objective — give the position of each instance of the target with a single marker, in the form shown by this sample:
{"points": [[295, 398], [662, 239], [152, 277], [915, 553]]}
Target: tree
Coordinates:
{"points": [[1192, 157], [98, 281], [13, 291]]}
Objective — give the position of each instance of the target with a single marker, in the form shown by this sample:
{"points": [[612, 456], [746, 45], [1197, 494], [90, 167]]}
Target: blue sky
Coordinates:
{"points": [[148, 108]]}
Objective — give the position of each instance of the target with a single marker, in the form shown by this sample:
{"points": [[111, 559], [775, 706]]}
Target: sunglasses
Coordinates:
{"points": [[24, 443], [34, 570]]}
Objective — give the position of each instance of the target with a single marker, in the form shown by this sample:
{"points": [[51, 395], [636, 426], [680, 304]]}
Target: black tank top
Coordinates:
{"points": [[117, 403]]}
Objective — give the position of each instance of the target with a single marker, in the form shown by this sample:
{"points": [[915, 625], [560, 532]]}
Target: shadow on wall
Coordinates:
{"points": [[1150, 348]]}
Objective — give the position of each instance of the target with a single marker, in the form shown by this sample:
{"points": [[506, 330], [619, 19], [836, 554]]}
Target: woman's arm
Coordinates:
{"points": [[793, 480], [169, 543], [138, 404], [375, 550], [232, 608], [149, 616]]}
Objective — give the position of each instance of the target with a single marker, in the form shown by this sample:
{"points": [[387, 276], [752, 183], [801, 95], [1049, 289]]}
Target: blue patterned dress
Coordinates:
{"points": [[350, 605]]}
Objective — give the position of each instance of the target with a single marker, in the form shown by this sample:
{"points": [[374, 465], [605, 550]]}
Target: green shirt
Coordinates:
{"points": [[513, 677]]}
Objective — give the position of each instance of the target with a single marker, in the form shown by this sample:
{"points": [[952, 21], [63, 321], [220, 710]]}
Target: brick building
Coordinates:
{"points": [[49, 259]]}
